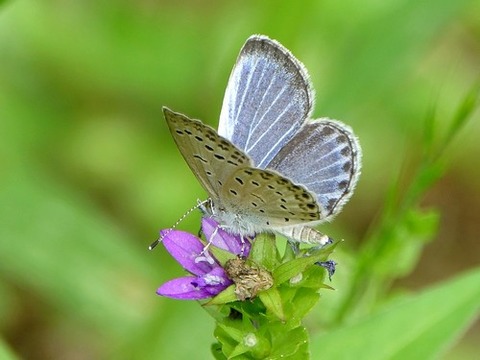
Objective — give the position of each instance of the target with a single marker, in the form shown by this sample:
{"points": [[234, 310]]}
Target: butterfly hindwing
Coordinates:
{"points": [[324, 156], [269, 198]]}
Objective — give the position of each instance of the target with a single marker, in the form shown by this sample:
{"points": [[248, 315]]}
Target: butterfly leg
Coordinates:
{"points": [[295, 245], [209, 241], [205, 206], [204, 254], [244, 247]]}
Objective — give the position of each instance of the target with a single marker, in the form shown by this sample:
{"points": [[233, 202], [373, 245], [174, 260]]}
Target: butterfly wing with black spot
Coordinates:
{"points": [[268, 200], [325, 157], [211, 158]]}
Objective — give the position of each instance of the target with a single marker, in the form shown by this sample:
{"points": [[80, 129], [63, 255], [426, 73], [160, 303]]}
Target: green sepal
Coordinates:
{"points": [[226, 296], [264, 251], [220, 254]]}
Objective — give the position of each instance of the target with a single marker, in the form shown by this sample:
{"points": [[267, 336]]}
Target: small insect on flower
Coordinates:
{"points": [[249, 280], [328, 265], [208, 277]]}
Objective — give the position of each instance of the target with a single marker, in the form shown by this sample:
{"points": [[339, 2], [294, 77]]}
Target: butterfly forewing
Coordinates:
{"points": [[267, 99], [212, 158], [324, 156], [269, 197]]}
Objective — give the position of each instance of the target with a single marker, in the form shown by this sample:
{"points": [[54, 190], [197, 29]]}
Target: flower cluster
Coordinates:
{"points": [[256, 294], [208, 276]]}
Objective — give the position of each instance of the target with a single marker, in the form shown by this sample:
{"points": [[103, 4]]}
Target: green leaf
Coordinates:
{"points": [[304, 300], [294, 267], [404, 244], [217, 353], [5, 352], [429, 128], [419, 327], [224, 336], [259, 348], [272, 301], [239, 338], [234, 332], [289, 344], [464, 112], [264, 251]]}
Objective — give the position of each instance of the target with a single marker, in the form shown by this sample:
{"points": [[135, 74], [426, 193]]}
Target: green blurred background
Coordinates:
{"points": [[89, 172]]}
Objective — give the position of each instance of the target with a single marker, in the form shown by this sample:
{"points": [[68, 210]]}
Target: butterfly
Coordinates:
{"points": [[269, 167]]}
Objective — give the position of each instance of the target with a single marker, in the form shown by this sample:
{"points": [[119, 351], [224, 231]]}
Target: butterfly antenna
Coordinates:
{"points": [[200, 204]]}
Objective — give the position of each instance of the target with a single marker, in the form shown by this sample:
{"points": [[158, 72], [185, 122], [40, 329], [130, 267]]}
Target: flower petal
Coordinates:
{"points": [[186, 249], [223, 240], [187, 288], [216, 277]]}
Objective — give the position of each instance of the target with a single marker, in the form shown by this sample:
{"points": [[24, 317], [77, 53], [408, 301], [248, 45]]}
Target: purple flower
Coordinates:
{"points": [[208, 276], [223, 240]]}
